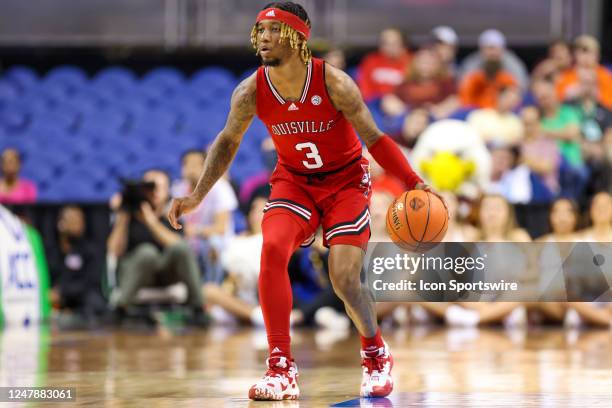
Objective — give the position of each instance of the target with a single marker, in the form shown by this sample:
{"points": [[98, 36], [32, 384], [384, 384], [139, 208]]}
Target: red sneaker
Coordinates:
{"points": [[279, 382], [377, 365]]}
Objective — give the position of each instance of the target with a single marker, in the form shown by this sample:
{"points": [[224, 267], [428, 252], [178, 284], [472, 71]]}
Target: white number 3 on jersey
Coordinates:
{"points": [[312, 154]]}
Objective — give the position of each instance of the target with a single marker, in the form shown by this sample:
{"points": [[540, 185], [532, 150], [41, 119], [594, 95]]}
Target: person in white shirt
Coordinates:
{"points": [[500, 125], [235, 300], [210, 228]]}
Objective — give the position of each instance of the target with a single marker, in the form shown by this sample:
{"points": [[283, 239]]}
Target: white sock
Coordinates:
{"points": [[459, 316], [572, 318], [330, 319], [257, 318], [516, 318]]}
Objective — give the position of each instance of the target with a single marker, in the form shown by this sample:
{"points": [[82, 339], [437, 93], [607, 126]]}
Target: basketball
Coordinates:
{"points": [[417, 220]]}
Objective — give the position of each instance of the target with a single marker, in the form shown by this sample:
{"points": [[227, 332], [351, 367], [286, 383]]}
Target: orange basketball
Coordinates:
{"points": [[417, 220]]}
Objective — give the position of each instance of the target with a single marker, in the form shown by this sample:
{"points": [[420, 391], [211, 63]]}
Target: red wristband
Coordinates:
{"points": [[386, 152]]}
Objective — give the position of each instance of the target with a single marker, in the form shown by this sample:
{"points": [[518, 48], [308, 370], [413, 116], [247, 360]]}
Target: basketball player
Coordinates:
{"points": [[311, 110]]}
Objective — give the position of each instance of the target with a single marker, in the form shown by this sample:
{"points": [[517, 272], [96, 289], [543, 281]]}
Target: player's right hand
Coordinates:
{"points": [[179, 207]]}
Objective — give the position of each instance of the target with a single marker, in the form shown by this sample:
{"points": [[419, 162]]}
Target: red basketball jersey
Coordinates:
{"points": [[310, 135]]}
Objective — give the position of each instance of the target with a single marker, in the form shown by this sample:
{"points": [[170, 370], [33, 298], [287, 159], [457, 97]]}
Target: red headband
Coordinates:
{"points": [[290, 19]]}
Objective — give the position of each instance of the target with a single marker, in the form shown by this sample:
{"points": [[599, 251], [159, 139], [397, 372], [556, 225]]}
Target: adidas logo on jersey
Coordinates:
{"points": [[293, 107], [270, 14], [276, 350]]}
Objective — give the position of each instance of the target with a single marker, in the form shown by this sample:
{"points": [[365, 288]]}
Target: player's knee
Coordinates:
{"points": [[345, 278], [275, 254], [274, 248]]}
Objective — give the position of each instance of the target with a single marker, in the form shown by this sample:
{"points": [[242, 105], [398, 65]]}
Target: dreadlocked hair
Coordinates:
{"points": [[288, 34]]}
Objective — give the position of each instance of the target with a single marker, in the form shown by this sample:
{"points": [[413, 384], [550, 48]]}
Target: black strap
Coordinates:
{"points": [[322, 174]]}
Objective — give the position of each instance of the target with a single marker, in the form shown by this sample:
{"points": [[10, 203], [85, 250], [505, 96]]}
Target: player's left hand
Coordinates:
{"points": [[426, 187]]}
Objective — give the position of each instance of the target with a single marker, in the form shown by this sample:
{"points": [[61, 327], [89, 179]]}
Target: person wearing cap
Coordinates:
{"points": [[382, 70], [445, 44], [493, 42], [587, 56]]}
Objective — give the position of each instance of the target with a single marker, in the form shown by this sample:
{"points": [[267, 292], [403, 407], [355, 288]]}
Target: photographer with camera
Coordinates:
{"points": [[149, 251]]}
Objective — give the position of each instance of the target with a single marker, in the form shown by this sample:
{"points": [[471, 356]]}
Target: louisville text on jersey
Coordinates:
{"points": [[301, 127]]}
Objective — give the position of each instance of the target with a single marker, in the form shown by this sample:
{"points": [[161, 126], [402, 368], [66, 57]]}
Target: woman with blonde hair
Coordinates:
{"points": [[555, 248], [600, 232], [496, 223]]}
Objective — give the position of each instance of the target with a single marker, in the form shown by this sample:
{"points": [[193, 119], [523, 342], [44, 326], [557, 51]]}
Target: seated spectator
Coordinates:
{"points": [[14, 189], [586, 55], [492, 43], [210, 227], [595, 121], [237, 295], [427, 85], [558, 60], [480, 86], [150, 252], [563, 220], [381, 71], [323, 307], [335, 57], [259, 180], [236, 298], [413, 126], [457, 231], [601, 219], [446, 42], [509, 177], [595, 118], [76, 268], [499, 124], [560, 52], [558, 121], [497, 222], [539, 153], [600, 231]]}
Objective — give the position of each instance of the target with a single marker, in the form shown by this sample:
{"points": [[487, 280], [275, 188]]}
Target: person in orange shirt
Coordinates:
{"points": [[381, 71], [586, 54], [480, 88]]}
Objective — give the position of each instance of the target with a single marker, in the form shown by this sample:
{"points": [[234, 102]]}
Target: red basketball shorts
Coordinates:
{"points": [[338, 201]]}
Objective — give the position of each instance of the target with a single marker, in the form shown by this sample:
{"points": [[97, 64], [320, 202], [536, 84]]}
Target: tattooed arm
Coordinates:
{"points": [[346, 97], [222, 151]]}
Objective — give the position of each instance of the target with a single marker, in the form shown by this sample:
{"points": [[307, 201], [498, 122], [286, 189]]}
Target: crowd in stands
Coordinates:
{"points": [[543, 138]]}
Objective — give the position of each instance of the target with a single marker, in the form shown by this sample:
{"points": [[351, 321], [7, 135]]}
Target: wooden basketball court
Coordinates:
{"points": [[214, 368]]}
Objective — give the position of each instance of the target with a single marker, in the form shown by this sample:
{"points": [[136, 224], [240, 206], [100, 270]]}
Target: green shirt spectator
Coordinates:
{"points": [[565, 117], [558, 121]]}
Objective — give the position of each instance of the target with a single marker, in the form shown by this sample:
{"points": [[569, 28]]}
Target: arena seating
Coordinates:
{"points": [[80, 134]]}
